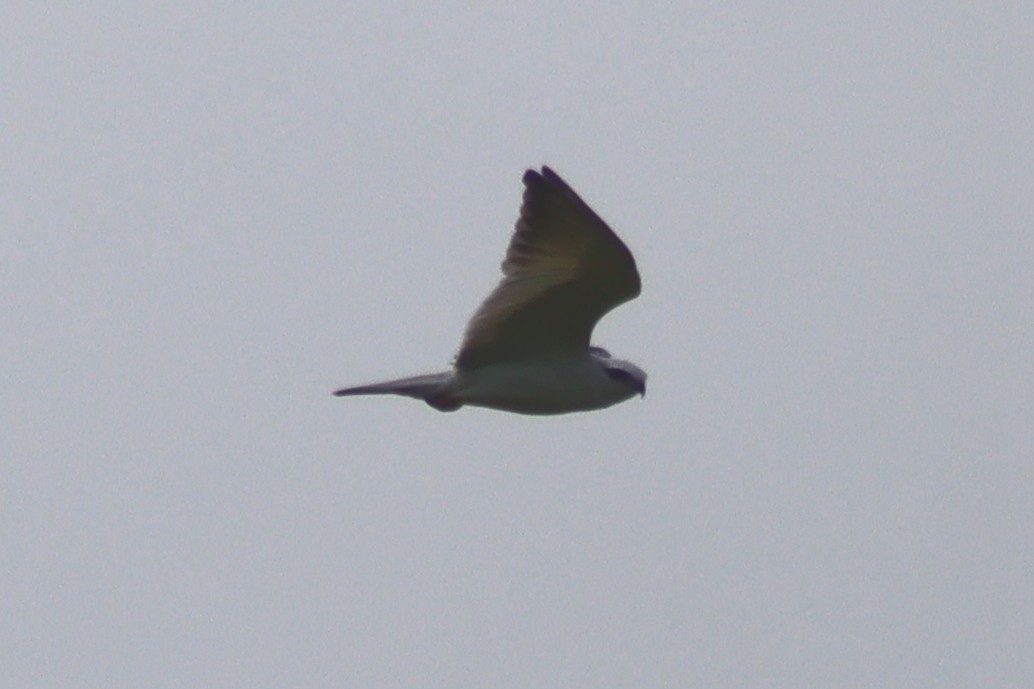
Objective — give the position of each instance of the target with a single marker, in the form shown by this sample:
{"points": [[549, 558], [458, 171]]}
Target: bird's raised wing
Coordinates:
{"points": [[563, 271]]}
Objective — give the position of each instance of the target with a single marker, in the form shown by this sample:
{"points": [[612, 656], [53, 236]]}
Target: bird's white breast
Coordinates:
{"points": [[539, 387]]}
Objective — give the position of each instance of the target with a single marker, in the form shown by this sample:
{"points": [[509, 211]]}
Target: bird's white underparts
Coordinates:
{"points": [[527, 348]]}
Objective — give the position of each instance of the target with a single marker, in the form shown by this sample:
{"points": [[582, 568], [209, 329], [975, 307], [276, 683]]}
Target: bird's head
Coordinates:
{"points": [[624, 373]]}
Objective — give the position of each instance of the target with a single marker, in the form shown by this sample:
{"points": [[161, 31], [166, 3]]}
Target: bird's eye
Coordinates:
{"points": [[630, 380], [619, 374]]}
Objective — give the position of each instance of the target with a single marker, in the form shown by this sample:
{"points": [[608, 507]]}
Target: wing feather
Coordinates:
{"points": [[564, 269]]}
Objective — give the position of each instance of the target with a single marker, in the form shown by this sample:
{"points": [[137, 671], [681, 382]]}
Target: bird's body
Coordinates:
{"points": [[533, 387], [526, 350]]}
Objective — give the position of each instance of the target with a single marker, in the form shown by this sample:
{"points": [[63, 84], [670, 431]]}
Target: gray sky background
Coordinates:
{"points": [[212, 216]]}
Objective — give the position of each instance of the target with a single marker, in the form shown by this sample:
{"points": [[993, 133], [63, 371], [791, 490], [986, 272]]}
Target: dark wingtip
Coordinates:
{"points": [[532, 176]]}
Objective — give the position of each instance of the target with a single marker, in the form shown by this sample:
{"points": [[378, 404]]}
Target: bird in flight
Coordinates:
{"points": [[527, 349]]}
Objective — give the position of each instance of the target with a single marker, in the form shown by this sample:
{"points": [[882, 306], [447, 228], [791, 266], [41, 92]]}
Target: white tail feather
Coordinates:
{"points": [[430, 388]]}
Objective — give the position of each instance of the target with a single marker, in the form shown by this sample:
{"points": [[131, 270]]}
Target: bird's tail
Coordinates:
{"points": [[430, 388]]}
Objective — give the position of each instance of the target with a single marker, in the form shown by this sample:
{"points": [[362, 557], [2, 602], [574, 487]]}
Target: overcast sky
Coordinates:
{"points": [[211, 217]]}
